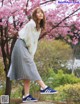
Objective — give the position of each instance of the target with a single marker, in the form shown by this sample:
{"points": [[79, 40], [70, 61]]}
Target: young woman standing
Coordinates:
{"points": [[22, 65]]}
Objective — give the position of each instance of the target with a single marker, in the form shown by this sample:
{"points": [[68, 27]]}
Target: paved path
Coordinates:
{"points": [[19, 101], [46, 102], [42, 102]]}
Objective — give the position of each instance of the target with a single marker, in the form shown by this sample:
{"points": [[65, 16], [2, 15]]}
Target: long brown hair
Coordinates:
{"points": [[42, 22]]}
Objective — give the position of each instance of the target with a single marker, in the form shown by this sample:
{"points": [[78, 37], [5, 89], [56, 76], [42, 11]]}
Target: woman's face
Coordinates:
{"points": [[39, 14]]}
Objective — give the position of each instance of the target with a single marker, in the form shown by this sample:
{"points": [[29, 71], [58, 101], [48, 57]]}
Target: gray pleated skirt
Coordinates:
{"points": [[22, 64]]}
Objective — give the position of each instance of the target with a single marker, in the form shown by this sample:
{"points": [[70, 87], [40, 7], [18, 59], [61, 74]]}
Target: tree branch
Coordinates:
{"points": [[27, 3], [47, 2]]}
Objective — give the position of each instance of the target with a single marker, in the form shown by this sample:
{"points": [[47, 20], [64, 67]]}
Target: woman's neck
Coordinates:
{"points": [[39, 21]]}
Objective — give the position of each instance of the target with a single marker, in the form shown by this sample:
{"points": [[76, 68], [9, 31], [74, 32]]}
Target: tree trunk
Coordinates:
{"points": [[8, 87], [5, 59]]}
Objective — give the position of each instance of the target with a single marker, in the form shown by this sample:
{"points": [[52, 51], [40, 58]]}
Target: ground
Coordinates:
{"points": [[19, 101], [41, 102]]}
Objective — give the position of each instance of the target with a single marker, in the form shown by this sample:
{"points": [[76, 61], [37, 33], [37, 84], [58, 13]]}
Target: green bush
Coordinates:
{"points": [[2, 91], [2, 73], [57, 79], [51, 54], [68, 92], [16, 91]]}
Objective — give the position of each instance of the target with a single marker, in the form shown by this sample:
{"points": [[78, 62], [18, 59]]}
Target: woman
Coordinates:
{"points": [[22, 59]]}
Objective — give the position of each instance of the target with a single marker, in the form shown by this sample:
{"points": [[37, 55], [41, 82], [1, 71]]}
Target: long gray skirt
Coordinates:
{"points": [[22, 64]]}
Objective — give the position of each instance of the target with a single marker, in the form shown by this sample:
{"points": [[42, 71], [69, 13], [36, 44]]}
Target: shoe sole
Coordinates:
{"points": [[49, 93]]}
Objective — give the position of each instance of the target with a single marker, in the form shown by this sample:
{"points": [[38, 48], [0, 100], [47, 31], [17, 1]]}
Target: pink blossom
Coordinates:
{"points": [[69, 40], [18, 10], [75, 41]]}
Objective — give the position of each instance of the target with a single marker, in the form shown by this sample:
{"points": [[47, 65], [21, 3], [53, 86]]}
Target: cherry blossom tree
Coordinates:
{"points": [[64, 24], [14, 14]]}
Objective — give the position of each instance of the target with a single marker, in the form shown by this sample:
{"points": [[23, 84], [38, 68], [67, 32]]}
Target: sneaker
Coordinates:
{"points": [[48, 90], [29, 98]]}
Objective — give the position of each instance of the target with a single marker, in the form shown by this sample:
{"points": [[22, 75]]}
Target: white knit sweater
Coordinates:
{"points": [[30, 35]]}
